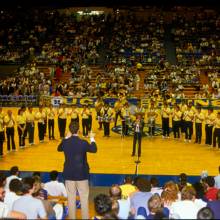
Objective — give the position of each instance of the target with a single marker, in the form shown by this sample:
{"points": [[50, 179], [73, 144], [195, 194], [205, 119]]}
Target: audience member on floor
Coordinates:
{"points": [[33, 208], [215, 206], [155, 186], [55, 188], [127, 188], [211, 191], [217, 179], [205, 213], [14, 174]]}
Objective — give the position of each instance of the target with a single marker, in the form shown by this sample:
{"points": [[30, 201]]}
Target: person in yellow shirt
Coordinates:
{"points": [[199, 117], [2, 136], [21, 124], [188, 117], [165, 113], [90, 118], [151, 119], [2, 115], [85, 120], [10, 131], [176, 115], [40, 117], [62, 115], [216, 134], [45, 110], [51, 115], [30, 117], [117, 107], [127, 188], [74, 114], [98, 106], [209, 120]]}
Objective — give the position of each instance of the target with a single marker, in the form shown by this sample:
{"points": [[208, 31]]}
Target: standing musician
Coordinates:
{"points": [[30, 116], [139, 110], [125, 112], [216, 134], [74, 114], [51, 115], [183, 108], [117, 107], [199, 117], [40, 117], [138, 126], [151, 119], [10, 131], [106, 114], [176, 115], [98, 106], [165, 113], [62, 115], [209, 121], [85, 120], [2, 136], [45, 110], [188, 117], [2, 115], [21, 123], [90, 118]]}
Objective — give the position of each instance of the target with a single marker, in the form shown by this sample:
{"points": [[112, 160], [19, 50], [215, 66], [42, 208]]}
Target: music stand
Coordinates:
{"points": [[136, 165]]}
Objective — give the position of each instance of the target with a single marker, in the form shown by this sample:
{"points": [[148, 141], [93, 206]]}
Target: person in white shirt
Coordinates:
{"points": [[217, 179], [14, 171], [55, 188], [33, 208], [14, 193], [186, 208]]}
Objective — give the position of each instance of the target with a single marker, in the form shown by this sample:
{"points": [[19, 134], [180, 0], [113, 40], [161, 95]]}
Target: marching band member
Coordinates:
{"points": [[40, 117], [74, 114], [85, 120], [125, 119], [209, 120], [2, 136], [183, 108], [216, 131], [98, 106], [51, 115], [199, 117], [2, 115], [62, 115], [45, 110], [10, 131], [176, 115], [138, 126], [106, 113], [151, 117], [21, 123], [90, 118], [165, 113], [188, 117], [117, 107], [139, 110], [30, 116]]}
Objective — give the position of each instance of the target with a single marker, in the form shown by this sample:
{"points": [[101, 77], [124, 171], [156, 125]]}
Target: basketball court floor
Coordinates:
{"points": [[159, 156]]}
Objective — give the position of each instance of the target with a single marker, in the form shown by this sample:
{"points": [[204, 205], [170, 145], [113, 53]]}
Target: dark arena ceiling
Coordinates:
{"points": [[108, 3]]}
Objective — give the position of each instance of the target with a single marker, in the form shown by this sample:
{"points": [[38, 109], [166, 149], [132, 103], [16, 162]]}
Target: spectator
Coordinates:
{"points": [[217, 179], [183, 181], [14, 174], [205, 213], [14, 193], [32, 207], [155, 186], [211, 191], [186, 208], [55, 188], [141, 197], [127, 188]]}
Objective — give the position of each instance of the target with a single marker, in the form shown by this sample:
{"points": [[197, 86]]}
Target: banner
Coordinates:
{"points": [[68, 100]]}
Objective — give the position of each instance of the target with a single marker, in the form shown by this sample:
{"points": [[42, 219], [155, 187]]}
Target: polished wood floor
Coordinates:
{"points": [[159, 156]]}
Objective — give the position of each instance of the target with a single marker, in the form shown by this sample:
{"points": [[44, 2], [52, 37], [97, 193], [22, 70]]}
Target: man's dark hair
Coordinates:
{"points": [[16, 186], [28, 183], [115, 192], [14, 170], [103, 204], [210, 181], [205, 213], [36, 173], [128, 179], [74, 127], [53, 175], [143, 185], [154, 182]]}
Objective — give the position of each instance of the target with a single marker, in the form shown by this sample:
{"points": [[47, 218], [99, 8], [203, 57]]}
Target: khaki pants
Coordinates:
{"points": [[83, 189]]}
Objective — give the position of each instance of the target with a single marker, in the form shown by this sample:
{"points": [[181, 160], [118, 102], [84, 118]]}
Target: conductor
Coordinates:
{"points": [[138, 126], [76, 169]]}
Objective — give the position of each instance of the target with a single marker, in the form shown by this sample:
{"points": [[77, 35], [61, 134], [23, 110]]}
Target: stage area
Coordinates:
{"points": [[159, 156]]}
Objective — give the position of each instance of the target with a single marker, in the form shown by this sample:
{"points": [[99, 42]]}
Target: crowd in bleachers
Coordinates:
{"points": [[138, 198]]}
